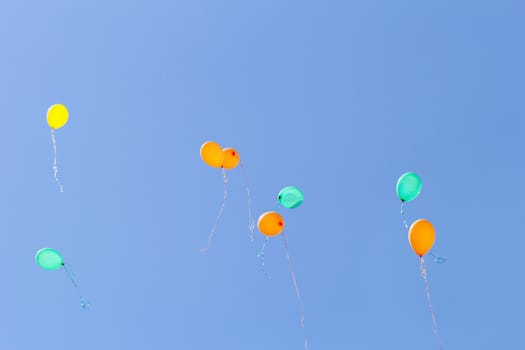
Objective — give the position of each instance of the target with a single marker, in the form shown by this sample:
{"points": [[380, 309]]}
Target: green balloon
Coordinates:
{"points": [[49, 259], [291, 197], [408, 187]]}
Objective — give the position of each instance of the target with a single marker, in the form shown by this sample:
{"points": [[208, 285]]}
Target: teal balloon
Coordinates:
{"points": [[49, 259], [408, 187], [291, 197]]}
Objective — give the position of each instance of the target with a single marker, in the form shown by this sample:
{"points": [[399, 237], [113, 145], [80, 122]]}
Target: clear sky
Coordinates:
{"points": [[337, 97]]}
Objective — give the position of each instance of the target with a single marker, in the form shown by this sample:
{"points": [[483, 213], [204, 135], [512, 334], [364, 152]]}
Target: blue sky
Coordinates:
{"points": [[336, 97]]}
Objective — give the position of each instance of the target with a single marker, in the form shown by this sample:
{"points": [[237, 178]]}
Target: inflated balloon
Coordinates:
{"points": [[231, 158], [270, 223], [227, 159], [49, 259], [57, 116], [421, 236], [291, 197], [211, 154], [408, 187]]}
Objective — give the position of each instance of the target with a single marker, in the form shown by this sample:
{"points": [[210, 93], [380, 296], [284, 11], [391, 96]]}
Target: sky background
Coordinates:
{"points": [[337, 97]]}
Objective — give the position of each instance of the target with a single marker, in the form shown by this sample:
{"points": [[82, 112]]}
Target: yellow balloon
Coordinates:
{"points": [[270, 223], [231, 158], [57, 116], [211, 154], [421, 236]]}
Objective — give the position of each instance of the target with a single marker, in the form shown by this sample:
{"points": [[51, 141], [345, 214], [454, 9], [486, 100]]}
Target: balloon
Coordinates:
{"points": [[408, 187], [49, 259], [421, 236], [211, 154], [57, 116], [291, 197], [231, 158], [270, 223]]}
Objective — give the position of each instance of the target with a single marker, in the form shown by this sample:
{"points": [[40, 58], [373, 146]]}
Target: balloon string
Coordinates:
{"points": [[260, 256], [70, 274], [403, 215], [72, 277], [221, 209], [251, 221], [294, 280], [438, 259], [423, 270], [55, 166]]}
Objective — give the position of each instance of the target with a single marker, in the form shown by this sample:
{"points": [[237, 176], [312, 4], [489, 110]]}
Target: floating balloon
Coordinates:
{"points": [[421, 236], [50, 259], [211, 154], [231, 158], [270, 223], [57, 116], [290, 197], [408, 187], [227, 159]]}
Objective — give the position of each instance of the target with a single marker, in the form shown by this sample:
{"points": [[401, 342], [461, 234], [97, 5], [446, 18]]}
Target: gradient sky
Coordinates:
{"points": [[337, 97]]}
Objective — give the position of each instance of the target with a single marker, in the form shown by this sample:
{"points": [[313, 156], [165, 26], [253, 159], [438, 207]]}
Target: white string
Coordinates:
{"points": [[217, 218], [260, 256], [423, 270], [297, 292], [251, 221], [403, 215], [55, 166]]}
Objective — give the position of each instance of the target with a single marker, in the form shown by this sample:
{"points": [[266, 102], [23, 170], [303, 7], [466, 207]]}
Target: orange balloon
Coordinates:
{"points": [[211, 154], [421, 236], [231, 158], [270, 223]]}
